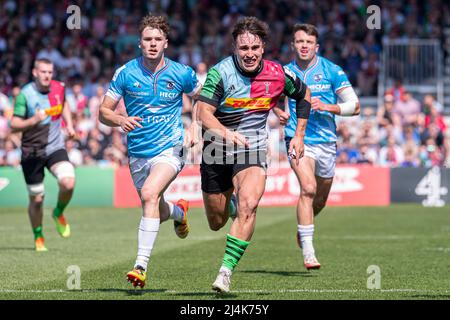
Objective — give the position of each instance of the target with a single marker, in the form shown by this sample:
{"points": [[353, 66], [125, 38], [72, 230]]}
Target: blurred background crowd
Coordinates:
{"points": [[403, 130]]}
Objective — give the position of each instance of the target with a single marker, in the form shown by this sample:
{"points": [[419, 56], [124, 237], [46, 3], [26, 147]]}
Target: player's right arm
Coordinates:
{"points": [[108, 117], [19, 122], [298, 90], [208, 101], [112, 97]]}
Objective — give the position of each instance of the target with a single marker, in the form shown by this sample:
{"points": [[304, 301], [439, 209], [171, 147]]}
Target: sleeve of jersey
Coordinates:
{"points": [[191, 83], [117, 84], [339, 79], [20, 106], [296, 89], [212, 90]]}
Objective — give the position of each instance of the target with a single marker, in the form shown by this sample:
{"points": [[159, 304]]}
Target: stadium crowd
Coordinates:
{"points": [[401, 132]]}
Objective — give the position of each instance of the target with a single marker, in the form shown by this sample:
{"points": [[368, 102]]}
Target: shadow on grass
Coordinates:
{"points": [[132, 292], [212, 295], [16, 249], [283, 273]]}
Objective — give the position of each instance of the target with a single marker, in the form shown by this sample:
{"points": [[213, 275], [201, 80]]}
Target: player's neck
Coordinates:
{"points": [[154, 65], [41, 88], [305, 64]]}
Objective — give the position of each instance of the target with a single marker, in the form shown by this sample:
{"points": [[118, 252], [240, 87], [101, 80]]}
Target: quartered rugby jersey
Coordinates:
{"points": [[324, 79], [46, 137], [243, 101], [157, 98]]}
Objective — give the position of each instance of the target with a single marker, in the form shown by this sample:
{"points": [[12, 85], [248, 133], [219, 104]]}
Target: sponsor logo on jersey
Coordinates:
{"points": [[230, 90], [170, 85], [137, 93], [267, 84], [319, 87], [248, 103], [137, 85], [318, 77], [54, 111], [168, 95]]}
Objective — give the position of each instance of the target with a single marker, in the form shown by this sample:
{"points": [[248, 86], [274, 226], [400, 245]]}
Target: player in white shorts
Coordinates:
{"points": [[152, 87], [332, 94]]}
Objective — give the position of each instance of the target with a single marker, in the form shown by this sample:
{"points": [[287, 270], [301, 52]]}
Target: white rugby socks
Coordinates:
{"points": [[176, 213], [148, 230], [306, 236]]}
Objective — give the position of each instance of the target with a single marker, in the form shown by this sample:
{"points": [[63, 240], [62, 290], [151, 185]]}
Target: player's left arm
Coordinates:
{"points": [[67, 116], [348, 102], [192, 90]]}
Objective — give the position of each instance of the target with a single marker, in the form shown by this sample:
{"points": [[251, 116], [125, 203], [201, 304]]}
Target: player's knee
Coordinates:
{"points": [[216, 224], [149, 196], [247, 205], [67, 184], [37, 201], [308, 190]]}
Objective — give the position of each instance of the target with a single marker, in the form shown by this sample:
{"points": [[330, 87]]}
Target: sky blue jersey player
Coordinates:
{"points": [[152, 87], [331, 95]]}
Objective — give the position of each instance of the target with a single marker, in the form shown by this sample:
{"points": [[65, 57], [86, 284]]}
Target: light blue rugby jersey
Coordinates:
{"points": [[323, 78], [157, 98]]}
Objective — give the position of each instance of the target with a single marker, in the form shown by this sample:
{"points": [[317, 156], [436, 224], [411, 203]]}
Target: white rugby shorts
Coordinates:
{"points": [[140, 168]]}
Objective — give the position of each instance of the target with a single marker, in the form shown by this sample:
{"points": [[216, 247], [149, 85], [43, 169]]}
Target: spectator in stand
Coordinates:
{"points": [[12, 154], [368, 75], [94, 103], [408, 110], [76, 99], [397, 90], [391, 155], [411, 159], [430, 102], [201, 71]]}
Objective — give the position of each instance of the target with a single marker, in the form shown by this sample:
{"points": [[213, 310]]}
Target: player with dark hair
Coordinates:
{"points": [[233, 106], [332, 94]]}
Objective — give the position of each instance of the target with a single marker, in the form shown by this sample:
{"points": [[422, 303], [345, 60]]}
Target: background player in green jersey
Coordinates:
{"points": [[37, 114]]}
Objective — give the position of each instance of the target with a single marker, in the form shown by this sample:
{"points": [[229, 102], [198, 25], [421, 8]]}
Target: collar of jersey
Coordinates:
{"points": [[245, 73], [307, 69], [141, 64]]}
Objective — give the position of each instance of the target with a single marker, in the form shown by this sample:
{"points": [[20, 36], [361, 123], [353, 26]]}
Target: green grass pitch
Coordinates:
{"points": [[409, 243]]}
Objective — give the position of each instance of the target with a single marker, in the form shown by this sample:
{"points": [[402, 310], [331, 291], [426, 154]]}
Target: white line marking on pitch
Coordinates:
{"points": [[237, 291]]}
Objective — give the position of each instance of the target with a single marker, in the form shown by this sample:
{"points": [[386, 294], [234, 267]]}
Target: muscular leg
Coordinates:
{"points": [[305, 214], [323, 190], [216, 208], [151, 193], [305, 175], [35, 210], [250, 185], [64, 173]]}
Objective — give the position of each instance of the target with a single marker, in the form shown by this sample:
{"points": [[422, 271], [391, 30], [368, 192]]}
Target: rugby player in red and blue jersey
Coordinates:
{"points": [[233, 106]]}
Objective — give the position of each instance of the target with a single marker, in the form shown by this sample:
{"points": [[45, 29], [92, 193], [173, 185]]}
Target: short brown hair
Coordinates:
{"points": [[309, 29], [42, 60], [251, 25], [155, 22]]}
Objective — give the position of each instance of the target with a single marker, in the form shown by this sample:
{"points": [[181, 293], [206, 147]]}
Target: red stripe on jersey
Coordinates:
{"points": [[56, 99], [269, 83]]}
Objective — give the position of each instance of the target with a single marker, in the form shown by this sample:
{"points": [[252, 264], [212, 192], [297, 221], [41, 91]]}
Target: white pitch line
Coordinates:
{"points": [[236, 291]]}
